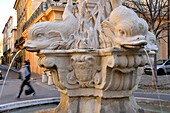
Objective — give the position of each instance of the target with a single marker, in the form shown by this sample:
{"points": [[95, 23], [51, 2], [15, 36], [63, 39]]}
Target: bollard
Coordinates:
{"points": [[50, 79], [1, 76], [44, 77]]}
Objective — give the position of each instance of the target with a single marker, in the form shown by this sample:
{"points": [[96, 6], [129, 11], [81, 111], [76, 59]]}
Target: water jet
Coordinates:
{"points": [[5, 78]]}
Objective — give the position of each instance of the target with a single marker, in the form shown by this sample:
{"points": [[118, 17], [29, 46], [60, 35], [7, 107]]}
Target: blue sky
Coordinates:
{"points": [[6, 9]]}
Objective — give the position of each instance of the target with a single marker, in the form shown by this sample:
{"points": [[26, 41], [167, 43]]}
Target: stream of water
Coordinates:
{"points": [[167, 76], [153, 77], [8, 72]]}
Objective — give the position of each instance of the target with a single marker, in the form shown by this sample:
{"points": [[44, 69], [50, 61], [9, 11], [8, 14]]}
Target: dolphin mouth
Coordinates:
{"points": [[32, 49], [134, 44]]}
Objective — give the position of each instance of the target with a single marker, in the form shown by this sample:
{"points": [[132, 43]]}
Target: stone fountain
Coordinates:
{"points": [[96, 54]]}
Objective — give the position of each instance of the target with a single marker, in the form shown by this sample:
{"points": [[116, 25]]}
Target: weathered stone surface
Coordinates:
{"points": [[82, 74], [95, 55]]}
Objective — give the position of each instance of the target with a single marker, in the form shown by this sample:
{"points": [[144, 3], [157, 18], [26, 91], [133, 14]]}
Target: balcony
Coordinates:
{"points": [[42, 8], [38, 11]]}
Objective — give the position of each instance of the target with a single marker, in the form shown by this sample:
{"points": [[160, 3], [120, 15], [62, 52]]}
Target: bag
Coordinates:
{"points": [[20, 76], [29, 91]]}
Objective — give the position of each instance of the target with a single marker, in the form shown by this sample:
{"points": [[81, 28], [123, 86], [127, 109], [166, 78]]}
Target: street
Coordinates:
{"points": [[12, 86]]}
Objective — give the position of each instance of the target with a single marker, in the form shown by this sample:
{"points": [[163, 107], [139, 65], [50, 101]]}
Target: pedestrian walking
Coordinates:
{"points": [[25, 76]]}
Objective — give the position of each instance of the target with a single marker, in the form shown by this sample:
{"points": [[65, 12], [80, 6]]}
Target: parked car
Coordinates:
{"points": [[163, 67]]}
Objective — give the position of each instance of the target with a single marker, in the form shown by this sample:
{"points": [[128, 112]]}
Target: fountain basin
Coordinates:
{"points": [[49, 104], [27, 103], [95, 77]]}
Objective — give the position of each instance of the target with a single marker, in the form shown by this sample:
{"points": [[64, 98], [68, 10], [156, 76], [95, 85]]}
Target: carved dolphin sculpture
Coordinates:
{"points": [[51, 35], [126, 28], [151, 39]]}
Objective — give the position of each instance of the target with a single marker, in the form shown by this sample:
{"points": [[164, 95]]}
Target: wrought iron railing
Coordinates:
{"points": [[42, 8], [18, 42]]}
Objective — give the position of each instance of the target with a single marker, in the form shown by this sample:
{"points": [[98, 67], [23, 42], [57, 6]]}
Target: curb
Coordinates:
{"points": [[12, 68], [21, 104], [153, 102], [160, 93]]}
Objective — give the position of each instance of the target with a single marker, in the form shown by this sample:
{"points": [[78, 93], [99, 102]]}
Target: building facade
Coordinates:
{"points": [[24, 10], [9, 37], [30, 12], [1, 49]]}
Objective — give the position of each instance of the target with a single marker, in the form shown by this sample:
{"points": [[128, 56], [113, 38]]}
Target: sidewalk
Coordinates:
{"points": [[12, 86]]}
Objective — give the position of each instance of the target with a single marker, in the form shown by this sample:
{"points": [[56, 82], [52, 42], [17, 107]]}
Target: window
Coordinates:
{"points": [[167, 63]]}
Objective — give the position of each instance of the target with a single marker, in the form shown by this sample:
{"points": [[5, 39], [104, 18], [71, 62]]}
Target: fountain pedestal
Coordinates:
{"points": [[95, 81], [98, 80]]}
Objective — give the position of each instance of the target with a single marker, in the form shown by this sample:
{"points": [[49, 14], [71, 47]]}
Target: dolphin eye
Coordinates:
{"points": [[121, 32], [40, 34]]}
